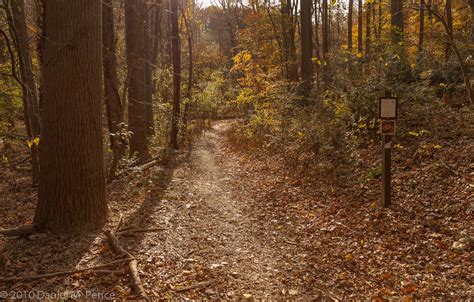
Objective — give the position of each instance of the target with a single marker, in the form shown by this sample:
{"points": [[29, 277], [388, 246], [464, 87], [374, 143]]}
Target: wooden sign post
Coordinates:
{"points": [[388, 113]]}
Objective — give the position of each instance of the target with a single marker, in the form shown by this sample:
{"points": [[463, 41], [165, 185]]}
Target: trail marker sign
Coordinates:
{"points": [[388, 113], [388, 127], [388, 108]]}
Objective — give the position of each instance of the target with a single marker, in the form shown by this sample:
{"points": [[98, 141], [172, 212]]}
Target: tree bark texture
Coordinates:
{"points": [[72, 186]]}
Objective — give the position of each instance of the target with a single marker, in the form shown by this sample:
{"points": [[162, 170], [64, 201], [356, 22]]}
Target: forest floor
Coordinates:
{"points": [[233, 225]]}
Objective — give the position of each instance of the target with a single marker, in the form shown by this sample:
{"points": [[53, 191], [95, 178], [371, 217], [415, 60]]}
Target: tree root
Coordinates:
{"points": [[22, 231], [71, 272]]}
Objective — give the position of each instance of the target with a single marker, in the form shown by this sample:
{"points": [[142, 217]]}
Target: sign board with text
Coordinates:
{"points": [[388, 108]]}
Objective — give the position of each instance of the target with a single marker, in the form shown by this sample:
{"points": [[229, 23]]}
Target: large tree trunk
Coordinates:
{"points": [[72, 186], [113, 103], [31, 109], [306, 47], [137, 100], [176, 55]]}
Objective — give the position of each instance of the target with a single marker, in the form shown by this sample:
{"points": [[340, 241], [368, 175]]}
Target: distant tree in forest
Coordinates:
{"points": [[113, 103], [135, 13], [176, 58], [31, 114], [397, 27], [306, 47]]}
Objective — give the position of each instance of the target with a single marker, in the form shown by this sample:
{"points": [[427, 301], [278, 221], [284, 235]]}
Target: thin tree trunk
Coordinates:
{"points": [[72, 186], [374, 19], [349, 25], [289, 49], [325, 28], [306, 47], [19, 32], [316, 28], [149, 43], [189, 34], [359, 27], [449, 23], [113, 103], [397, 28], [367, 28], [449, 33], [380, 19], [176, 56], [421, 34], [471, 4], [293, 62], [137, 99]]}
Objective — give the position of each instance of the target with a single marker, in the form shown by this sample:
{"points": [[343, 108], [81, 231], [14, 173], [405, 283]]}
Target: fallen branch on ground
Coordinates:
{"points": [[21, 231], [199, 285], [452, 170], [119, 224], [71, 272], [135, 281]]}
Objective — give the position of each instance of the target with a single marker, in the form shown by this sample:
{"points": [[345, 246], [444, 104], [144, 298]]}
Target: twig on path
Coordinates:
{"points": [[289, 241], [452, 170], [199, 285], [119, 224], [135, 281], [71, 272], [141, 231], [126, 228]]}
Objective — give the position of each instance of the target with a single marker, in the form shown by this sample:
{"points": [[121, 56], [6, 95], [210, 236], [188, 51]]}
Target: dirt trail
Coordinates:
{"points": [[213, 237]]}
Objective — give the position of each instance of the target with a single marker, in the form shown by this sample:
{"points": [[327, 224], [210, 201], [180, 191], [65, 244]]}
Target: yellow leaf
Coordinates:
{"points": [[373, 205], [348, 257], [36, 141], [398, 146], [359, 55]]}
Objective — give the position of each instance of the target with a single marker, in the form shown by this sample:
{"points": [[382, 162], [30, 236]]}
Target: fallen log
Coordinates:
{"points": [[135, 280], [70, 272]]}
